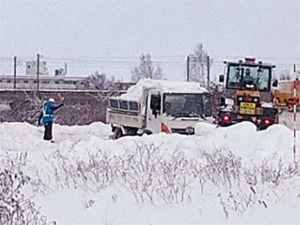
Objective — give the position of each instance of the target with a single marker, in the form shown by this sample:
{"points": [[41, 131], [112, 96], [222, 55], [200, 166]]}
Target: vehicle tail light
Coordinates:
{"points": [[267, 122], [226, 118], [164, 128]]}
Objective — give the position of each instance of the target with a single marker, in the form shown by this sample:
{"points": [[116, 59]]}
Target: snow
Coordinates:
{"points": [[229, 101], [4, 107], [135, 92], [267, 104], [233, 175]]}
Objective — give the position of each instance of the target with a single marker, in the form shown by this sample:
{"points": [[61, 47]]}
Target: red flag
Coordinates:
{"points": [[61, 98]]}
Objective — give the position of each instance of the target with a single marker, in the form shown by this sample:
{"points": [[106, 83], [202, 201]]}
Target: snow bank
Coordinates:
{"points": [[208, 178], [202, 128], [26, 137], [245, 141]]}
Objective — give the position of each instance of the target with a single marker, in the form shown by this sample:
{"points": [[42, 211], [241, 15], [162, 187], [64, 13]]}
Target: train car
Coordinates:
{"points": [[30, 82]]}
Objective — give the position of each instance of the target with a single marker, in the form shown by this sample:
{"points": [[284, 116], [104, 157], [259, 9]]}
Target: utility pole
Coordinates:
{"points": [[15, 72], [188, 69], [38, 73], [149, 69], [208, 74]]}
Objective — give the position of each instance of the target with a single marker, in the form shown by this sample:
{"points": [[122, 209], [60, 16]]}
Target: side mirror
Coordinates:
{"points": [[275, 83], [154, 112], [221, 78]]}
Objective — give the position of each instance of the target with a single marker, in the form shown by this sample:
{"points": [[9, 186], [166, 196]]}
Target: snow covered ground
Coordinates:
{"points": [[232, 175]]}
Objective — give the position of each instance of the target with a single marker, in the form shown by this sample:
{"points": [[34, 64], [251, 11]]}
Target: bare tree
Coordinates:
{"points": [[198, 65], [98, 81], [285, 75], [146, 69]]}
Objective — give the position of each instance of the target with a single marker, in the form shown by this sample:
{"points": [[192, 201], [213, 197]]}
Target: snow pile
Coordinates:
{"points": [[203, 128], [232, 175], [25, 137], [135, 92]]}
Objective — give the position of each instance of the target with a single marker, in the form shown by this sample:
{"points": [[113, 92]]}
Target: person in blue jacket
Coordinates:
{"points": [[47, 117]]}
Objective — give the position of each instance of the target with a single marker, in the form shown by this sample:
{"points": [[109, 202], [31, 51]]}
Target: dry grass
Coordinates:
{"points": [[150, 174]]}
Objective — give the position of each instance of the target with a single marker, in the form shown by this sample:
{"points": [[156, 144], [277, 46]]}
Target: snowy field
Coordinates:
{"points": [[232, 175]]}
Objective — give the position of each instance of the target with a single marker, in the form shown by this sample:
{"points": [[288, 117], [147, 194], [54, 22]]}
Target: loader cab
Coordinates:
{"points": [[249, 76]]}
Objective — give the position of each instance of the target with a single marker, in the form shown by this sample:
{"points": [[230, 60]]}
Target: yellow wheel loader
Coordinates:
{"points": [[247, 94]]}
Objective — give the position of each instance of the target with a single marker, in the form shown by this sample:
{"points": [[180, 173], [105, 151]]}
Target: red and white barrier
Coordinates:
{"points": [[296, 83]]}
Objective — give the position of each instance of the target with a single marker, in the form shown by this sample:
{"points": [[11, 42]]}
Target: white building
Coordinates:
{"points": [[31, 68], [32, 82]]}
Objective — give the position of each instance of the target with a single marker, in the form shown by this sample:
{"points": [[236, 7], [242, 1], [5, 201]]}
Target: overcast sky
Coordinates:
{"points": [[109, 36]]}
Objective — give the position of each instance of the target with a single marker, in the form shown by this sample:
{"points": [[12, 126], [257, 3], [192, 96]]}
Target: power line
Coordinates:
{"points": [[134, 59], [124, 62]]}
